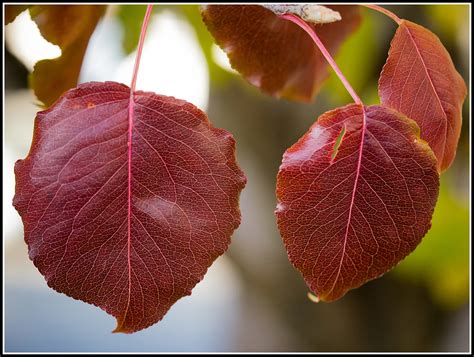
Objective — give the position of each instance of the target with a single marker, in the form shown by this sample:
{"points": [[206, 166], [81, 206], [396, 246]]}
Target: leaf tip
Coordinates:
{"points": [[120, 328]]}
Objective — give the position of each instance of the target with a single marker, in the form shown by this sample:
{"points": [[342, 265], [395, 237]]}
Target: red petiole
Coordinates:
{"points": [[384, 11], [301, 23], [140, 47], [131, 106]]}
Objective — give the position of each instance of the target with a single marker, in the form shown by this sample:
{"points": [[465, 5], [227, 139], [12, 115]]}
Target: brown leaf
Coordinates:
{"points": [[70, 27], [12, 11]]}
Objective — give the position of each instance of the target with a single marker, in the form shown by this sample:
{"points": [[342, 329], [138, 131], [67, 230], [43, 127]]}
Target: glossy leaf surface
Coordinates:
{"points": [[130, 229], [419, 79], [274, 54], [355, 196], [70, 27]]}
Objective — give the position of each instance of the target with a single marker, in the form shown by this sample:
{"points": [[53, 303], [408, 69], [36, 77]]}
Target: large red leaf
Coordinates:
{"points": [[356, 195], [129, 229], [419, 79], [274, 54]]}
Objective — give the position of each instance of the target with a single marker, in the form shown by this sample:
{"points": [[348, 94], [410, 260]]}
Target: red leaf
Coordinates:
{"points": [[134, 252], [350, 211], [419, 79], [273, 54]]}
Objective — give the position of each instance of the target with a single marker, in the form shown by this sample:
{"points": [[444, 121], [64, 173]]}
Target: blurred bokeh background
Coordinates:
{"points": [[251, 299]]}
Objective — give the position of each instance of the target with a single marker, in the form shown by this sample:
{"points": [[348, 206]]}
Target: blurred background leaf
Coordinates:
{"points": [[69, 27], [357, 59], [447, 21], [441, 261], [218, 74], [12, 11], [131, 18]]}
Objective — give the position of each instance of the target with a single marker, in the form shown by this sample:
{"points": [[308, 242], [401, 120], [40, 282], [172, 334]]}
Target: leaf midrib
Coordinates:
{"points": [[129, 203], [354, 190], [425, 67]]}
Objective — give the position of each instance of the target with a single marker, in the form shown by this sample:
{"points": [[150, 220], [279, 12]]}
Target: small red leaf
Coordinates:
{"points": [[273, 54], [131, 251], [419, 79], [349, 215]]}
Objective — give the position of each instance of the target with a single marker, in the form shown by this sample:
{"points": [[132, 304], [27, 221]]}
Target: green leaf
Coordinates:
{"points": [[441, 261], [131, 18], [206, 41], [357, 61], [449, 19]]}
